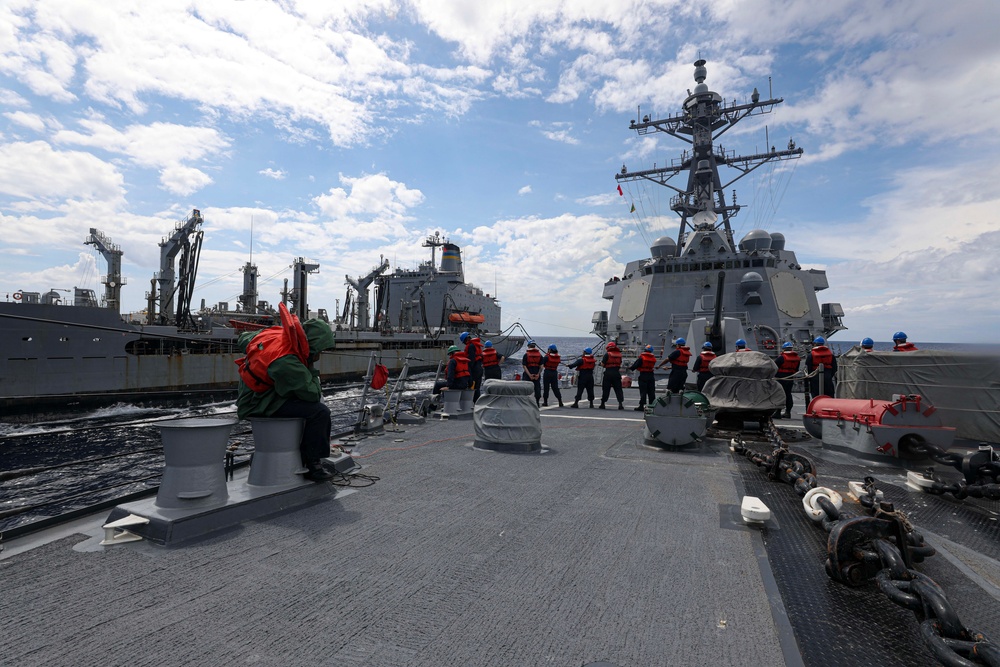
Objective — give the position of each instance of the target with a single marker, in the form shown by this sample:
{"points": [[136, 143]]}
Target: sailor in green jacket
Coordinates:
{"points": [[292, 389]]}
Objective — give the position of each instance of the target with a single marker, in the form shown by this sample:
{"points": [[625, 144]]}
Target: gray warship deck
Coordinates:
{"points": [[598, 549]]}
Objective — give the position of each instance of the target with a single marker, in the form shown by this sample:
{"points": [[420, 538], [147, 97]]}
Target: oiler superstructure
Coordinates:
{"points": [[704, 285]]}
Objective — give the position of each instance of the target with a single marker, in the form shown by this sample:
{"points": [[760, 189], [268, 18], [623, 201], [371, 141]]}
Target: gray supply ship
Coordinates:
{"points": [[58, 355], [703, 285]]}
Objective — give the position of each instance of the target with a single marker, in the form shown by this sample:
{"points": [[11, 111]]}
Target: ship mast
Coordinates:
{"points": [[434, 242], [704, 118]]}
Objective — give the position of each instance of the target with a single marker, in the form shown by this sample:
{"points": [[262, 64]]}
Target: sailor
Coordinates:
{"points": [[788, 365], [611, 362], [550, 379], [701, 363], [821, 354], [645, 364], [474, 353], [458, 374], [585, 364], [491, 362], [277, 379], [531, 362], [900, 345], [741, 345], [678, 360], [867, 344]]}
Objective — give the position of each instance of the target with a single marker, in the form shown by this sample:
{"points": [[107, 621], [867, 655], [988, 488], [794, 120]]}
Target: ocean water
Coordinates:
{"points": [[50, 468]]}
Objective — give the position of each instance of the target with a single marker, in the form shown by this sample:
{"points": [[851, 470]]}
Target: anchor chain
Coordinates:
{"points": [[980, 469], [882, 547]]}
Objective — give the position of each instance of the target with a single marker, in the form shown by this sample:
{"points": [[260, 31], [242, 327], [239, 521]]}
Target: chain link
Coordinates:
{"points": [[885, 545]]}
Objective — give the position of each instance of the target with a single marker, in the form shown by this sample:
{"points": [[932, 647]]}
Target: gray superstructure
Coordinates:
{"points": [[704, 285], [437, 300]]}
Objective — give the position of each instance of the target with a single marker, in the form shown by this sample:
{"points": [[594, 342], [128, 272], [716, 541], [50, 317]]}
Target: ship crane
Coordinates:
{"points": [[704, 119], [113, 281], [361, 286], [185, 241], [299, 294]]}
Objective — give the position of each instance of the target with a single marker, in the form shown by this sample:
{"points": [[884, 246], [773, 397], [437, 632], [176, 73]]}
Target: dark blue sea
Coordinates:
{"points": [[74, 462]]}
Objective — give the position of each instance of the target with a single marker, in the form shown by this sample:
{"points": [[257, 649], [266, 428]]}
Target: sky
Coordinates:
{"points": [[343, 132]]}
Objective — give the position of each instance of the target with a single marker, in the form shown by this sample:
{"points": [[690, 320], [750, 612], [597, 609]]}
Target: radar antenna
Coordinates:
{"points": [[705, 117]]}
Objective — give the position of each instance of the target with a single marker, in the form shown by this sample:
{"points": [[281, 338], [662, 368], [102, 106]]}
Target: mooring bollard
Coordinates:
{"points": [[194, 472], [277, 459], [451, 401]]}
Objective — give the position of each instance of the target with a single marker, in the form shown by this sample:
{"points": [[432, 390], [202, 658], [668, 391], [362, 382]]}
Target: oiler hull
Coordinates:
{"points": [[67, 357]]}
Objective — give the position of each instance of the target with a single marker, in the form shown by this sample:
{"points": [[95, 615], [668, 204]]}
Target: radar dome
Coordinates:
{"points": [[663, 247], [777, 241], [756, 239], [751, 281]]}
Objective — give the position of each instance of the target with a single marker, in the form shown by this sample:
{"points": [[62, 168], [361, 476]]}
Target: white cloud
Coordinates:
{"points": [[29, 120], [50, 176], [182, 180], [164, 146], [276, 174], [526, 190], [375, 207]]}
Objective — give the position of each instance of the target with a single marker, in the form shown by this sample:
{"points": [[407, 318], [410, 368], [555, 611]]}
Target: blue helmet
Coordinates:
{"points": [[648, 348], [552, 348], [740, 342], [707, 346], [680, 341], [819, 340], [588, 350], [462, 336], [531, 343], [488, 343], [787, 346], [899, 335], [867, 342]]}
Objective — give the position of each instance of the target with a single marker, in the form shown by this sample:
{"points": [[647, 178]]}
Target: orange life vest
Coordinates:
{"points": [[474, 350], [905, 347], [789, 362], [490, 357], [534, 357], [704, 359], [822, 355], [270, 344], [614, 359], [647, 362], [461, 365], [587, 362], [683, 357], [551, 361]]}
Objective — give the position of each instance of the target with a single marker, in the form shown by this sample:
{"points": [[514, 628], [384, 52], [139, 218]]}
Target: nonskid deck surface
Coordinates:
{"points": [[598, 549], [837, 625]]}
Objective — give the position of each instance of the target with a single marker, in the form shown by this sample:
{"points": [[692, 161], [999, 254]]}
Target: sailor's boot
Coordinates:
{"points": [[788, 414], [639, 409], [591, 405], [576, 404], [601, 406], [621, 406], [560, 403]]}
